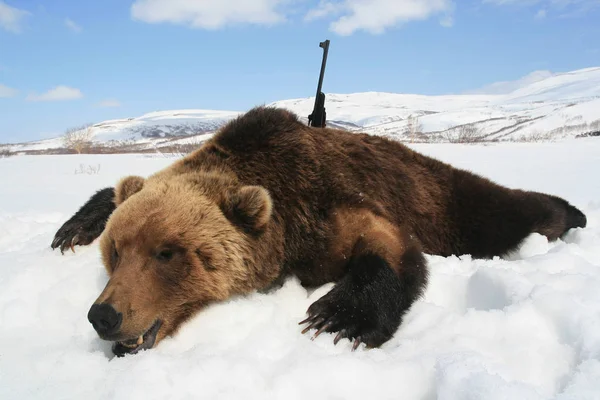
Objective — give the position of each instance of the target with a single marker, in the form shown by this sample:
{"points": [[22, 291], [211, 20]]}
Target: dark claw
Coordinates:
{"points": [[341, 334], [322, 329], [310, 318], [66, 240], [74, 242], [64, 246], [59, 240], [314, 324], [356, 343]]}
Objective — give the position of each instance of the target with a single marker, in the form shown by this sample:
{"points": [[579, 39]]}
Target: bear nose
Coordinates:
{"points": [[105, 319]]}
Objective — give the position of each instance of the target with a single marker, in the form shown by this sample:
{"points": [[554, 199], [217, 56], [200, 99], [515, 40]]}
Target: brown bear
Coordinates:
{"points": [[267, 197]]}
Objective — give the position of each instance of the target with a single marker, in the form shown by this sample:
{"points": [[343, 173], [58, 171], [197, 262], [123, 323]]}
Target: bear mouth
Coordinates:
{"points": [[135, 345]]}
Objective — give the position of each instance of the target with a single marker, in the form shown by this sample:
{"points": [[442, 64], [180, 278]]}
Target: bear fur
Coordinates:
{"points": [[268, 197]]}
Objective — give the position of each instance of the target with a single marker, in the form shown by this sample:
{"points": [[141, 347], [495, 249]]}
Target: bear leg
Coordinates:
{"points": [[87, 223], [367, 305], [383, 277]]}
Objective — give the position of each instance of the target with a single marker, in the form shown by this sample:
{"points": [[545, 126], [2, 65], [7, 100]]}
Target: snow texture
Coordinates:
{"points": [[526, 326]]}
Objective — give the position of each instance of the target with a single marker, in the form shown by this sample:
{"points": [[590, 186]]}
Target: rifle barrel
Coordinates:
{"points": [[325, 46]]}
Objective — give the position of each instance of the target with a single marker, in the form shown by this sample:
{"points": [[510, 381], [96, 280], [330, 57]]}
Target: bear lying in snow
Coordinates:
{"points": [[267, 197]]}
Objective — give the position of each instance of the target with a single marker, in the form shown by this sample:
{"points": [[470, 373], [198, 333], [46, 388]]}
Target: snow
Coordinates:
{"points": [[526, 326], [571, 85]]}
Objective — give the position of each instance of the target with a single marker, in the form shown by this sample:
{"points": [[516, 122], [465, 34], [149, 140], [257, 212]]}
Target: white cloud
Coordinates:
{"points": [[562, 5], [11, 18], [375, 16], [541, 14], [109, 103], [210, 14], [72, 25], [324, 9], [506, 87], [59, 93], [5, 91]]}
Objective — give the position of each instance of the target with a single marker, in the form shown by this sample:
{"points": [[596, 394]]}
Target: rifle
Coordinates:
{"points": [[319, 116]]}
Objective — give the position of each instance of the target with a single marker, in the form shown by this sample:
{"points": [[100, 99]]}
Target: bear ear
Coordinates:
{"points": [[127, 187], [249, 207]]}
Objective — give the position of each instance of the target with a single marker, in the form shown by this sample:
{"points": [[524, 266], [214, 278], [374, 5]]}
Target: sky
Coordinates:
{"points": [[64, 63]]}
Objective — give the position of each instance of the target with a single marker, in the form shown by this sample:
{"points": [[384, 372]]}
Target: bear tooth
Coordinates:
{"points": [[140, 340]]}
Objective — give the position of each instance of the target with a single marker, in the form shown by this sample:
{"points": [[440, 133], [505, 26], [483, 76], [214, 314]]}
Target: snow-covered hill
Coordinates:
{"points": [[562, 105], [558, 106], [164, 124], [158, 128]]}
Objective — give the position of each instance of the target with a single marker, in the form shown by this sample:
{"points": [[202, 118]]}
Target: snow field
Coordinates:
{"points": [[526, 326]]}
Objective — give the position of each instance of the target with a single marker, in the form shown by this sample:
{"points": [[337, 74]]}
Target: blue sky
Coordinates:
{"points": [[68, 62]]}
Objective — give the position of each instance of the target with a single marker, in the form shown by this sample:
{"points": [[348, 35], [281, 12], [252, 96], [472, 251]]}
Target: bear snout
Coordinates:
{"points": [[105, 319]]}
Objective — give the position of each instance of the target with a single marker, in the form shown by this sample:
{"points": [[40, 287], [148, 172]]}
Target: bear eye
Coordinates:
{"points": [[165, 255]]}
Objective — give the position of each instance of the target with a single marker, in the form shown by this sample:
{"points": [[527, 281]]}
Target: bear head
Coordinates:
{"points": [[173, 245]]}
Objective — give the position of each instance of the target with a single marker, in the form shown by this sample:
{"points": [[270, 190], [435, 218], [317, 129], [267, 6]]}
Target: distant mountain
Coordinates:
{"points": [[545, 108], [559, 106], [162, 124]]}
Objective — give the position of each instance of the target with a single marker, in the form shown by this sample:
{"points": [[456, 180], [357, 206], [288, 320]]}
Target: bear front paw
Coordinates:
{"points": [[73, 233], [364, 307], [87, 223]]}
